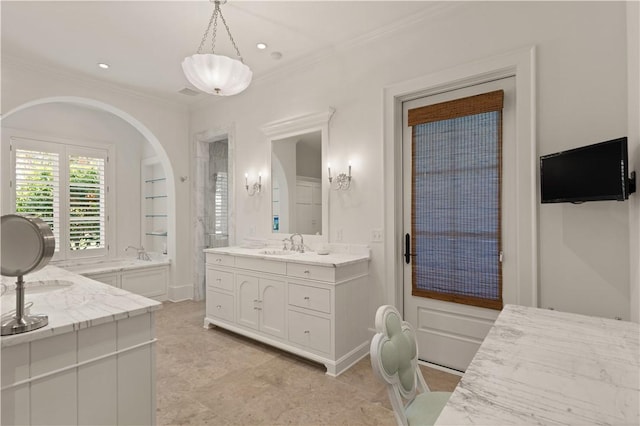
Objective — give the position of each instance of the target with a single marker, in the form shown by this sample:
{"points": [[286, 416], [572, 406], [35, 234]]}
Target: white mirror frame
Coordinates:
{"points": [[296, 126]]}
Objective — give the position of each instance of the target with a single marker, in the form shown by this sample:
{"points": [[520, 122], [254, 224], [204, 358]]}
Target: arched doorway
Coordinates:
{"points": [[136, 124]]}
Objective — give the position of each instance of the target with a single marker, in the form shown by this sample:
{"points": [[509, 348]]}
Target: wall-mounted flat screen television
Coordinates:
{"points": [[589, 173]]}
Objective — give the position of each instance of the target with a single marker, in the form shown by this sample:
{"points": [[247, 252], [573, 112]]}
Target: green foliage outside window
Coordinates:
{"points": [[85, 208], [35, 195]]}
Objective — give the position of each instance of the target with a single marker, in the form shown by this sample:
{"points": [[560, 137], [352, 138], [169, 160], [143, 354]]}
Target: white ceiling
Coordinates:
{"points": [[146, 41]]}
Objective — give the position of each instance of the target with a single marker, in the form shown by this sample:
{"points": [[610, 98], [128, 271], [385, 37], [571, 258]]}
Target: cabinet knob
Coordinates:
{"points": [[306, 298], [306, 332], [306, 271], [219, 306], [218, 260]]}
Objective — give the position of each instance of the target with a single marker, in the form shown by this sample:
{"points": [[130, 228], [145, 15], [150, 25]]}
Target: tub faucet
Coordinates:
{"points": [[297, 247], [142, 254]]}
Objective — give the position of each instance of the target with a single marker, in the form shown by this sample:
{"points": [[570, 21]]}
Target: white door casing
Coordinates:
{"points": [[449, 334], [521, 63]]}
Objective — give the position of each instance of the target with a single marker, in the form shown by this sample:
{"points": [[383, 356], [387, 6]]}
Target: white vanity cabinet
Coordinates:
{"points": [[317, 310], [151, 282]]}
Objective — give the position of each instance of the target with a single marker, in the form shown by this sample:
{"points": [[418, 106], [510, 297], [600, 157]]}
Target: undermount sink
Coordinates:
{"points": [[276, 252]]}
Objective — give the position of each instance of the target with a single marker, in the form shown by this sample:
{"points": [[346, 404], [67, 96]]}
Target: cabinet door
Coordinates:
{"points": [[110, 278], [272, 307], [248, 303], [149, 282]]}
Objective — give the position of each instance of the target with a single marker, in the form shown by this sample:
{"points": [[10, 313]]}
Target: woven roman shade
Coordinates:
{"points": [[456, 198]]}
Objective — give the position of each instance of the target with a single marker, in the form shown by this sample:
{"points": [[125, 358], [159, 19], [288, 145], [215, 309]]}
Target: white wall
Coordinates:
{"points": [[581, 98], [633, 78], [168, 123]]}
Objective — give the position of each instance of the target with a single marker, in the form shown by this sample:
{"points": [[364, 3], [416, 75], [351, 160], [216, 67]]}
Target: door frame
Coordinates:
{"points": [[519, 63]]}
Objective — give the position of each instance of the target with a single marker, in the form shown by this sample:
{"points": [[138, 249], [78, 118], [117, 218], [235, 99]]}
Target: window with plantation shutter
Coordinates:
{"points": [[66, 186], [86, 203], [221, 205], [37, 187]]}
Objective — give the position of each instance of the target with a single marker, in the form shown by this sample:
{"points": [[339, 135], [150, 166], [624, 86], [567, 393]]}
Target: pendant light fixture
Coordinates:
{"points": [[217, 74]]}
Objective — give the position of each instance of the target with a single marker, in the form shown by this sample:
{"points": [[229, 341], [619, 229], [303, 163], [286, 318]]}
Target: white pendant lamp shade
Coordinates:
{"points": [[216, 74]]}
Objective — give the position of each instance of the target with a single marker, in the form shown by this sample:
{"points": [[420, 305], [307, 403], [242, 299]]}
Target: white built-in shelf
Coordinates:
{"points": [[155, 180], [154, 205]]}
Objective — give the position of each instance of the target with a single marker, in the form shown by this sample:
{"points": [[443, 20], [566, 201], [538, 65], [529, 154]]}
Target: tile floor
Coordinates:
{"points": [[215, 377]]}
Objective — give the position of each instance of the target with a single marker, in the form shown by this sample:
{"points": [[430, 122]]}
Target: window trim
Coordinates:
{"points": [[64, 147]]}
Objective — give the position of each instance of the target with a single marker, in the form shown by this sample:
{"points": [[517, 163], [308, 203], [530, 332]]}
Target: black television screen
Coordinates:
{"points": [[589, 173]]}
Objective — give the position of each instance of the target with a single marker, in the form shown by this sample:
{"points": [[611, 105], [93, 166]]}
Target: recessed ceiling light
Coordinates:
{"points": [[261, 46], [103, 65]]}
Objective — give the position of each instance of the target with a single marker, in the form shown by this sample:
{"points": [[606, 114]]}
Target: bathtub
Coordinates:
{"points": [[147, 278]]}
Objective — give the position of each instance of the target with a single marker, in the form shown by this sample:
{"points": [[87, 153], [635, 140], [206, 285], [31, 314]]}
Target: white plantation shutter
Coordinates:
{"points": [[37, 187], [66, 186], [87, 198], [221, 204]]}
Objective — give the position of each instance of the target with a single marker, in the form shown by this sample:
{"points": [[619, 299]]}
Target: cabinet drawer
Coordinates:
{"points": [[219, 279], [220, 305], [261, 265], [312, 272], [304, 296], [220, 259], [310, 331]]}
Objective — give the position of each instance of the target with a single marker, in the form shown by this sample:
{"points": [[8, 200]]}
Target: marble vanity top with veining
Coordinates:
{"points": [[341, 258], [543, 367], [71, 302]]}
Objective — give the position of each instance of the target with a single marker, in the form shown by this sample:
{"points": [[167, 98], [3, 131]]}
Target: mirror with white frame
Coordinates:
{"points": [[297, 156]]}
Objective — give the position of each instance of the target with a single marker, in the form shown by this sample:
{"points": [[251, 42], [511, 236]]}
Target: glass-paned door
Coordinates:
{"points": [[458, 153]]}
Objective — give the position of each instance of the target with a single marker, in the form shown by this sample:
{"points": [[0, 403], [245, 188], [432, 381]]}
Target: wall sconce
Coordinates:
{"points": [[255, 188], [343, 181]]}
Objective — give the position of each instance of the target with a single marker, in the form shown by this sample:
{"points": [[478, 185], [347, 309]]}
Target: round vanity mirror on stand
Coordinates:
{"points": [[27, 244]]}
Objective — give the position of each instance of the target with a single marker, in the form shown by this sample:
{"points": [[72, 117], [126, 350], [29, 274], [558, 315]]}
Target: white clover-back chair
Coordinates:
{"points": [[394, 358]]}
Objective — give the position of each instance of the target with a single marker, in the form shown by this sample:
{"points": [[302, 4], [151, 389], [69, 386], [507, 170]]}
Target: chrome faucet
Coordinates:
{"points": [[297, 247], [142, 254]]}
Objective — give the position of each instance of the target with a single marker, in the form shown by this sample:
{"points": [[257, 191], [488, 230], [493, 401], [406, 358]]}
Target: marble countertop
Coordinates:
{"points": [[543, 367], [71, 302], [309, 258], [111, 265]]}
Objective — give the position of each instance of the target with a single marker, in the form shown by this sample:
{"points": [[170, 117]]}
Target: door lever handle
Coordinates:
{"points": [[407, 249]]}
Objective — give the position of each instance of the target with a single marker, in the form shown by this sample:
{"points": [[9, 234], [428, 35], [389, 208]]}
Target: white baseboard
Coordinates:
{"points": [[180, 293]]}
